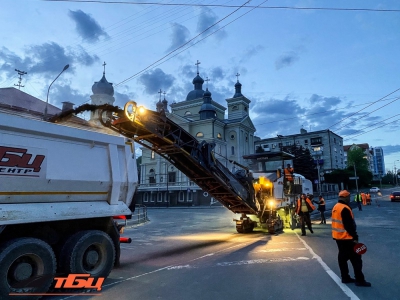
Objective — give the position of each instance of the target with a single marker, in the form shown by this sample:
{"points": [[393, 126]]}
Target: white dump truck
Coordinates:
{"points": [[60, 188]]}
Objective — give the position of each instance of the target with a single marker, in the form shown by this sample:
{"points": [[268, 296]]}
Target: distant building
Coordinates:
{"points": [[378, 162], [368, 155], [326, 147], [161, 183]]}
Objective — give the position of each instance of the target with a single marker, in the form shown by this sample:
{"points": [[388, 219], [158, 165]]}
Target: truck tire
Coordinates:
{"points": [[26, 265], [88, 252]]}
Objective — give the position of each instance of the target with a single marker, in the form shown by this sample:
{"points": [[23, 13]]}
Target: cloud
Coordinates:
{"points": [[63, 92], [179, 36], [9, 61], [391, 149], [217, 73], [46, 60], [206, 19], [155, 80], [250, 52], [87, 27], [49, 59], [286, 60]]}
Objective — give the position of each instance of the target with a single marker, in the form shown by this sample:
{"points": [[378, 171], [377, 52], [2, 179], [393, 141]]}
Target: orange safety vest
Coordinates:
{"points": [[338, 231], [308, 201], [288, 174]]}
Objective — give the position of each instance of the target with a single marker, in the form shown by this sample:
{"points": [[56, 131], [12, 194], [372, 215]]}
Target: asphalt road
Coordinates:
{"points": [[197, 254]]}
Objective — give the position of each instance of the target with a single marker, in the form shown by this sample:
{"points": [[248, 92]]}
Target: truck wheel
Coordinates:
{"points": [[88, 252], [27, 265]]}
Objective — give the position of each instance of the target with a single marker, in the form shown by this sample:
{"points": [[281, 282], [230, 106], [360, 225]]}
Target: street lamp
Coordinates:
{"points": [[394, 173], [47, 100], [355, 176]]}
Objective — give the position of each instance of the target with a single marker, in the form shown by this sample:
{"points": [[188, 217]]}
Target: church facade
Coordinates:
{"points": [[161, 184]]}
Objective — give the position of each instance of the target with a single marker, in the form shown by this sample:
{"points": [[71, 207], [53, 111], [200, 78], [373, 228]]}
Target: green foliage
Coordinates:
{"points": [[303, 163], [356, 156]]}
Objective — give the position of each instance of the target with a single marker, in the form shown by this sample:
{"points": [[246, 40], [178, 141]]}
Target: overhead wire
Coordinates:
{"points": [[365, 107], [230, 6], [181, 46]]}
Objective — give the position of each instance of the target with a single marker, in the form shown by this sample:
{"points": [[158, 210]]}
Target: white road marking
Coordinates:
{"points": [[332, 274], [280, 250], [259, 261]]}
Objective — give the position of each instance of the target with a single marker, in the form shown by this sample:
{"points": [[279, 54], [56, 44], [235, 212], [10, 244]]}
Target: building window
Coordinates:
{"points": [[145, 197], [297, 142], [171, 177], [247, 138], [235, 107], [245, 108], [181, 197], [166, 197], [152, 176], [306, 142], [316, 141], [334, 140], [153, 197], [233, 150], [153, 155], [188, 113], [199, 134], [232, 136], [159, 197], [265, 146], [219, 136], [273, 146], [190, 196]]}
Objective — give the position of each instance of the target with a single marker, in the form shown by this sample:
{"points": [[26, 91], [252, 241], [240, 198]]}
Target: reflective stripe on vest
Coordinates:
{"points": [[338, 231]]}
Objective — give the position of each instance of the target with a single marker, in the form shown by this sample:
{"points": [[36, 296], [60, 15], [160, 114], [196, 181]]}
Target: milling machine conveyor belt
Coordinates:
{"points": [[195, 159]]}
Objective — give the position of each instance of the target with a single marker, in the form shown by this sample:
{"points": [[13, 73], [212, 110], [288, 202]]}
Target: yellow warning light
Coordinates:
{"points": [[141, 110]]}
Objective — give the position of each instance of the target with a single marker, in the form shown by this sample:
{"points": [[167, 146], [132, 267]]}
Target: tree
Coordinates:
{"points": [[356, 156], [303, 163]]}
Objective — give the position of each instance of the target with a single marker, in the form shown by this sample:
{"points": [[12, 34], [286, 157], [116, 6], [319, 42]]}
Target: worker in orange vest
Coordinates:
{"points": [[344, 231], [364, 198], [289, 178], [303, 208], [368, 198]]}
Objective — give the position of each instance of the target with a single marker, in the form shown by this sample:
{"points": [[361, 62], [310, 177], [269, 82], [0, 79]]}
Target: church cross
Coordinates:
{"points": [[104, 65], [207, 80], [160, 92], [237, 76], [197, 64]]}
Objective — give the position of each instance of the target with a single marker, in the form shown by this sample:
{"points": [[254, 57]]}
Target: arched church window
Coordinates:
{"points": [[219, 136], [199, 134], [188, 113]]}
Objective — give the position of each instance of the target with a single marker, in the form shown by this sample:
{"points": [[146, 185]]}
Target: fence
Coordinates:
{"points": [[139, 215]]}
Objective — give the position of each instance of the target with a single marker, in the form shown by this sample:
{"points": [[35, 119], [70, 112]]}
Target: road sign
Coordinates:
{"points": [[354, 178]]}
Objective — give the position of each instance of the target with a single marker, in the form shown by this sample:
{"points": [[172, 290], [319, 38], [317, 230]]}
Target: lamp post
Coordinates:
{"points": [[355, 176], [394, 173], [47, 99]]}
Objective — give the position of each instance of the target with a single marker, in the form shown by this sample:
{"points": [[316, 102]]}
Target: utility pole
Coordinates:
{"points": [[20, 73], [355, 175]]}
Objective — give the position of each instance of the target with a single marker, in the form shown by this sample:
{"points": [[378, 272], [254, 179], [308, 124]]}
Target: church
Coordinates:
{"points": [[161, 184]]}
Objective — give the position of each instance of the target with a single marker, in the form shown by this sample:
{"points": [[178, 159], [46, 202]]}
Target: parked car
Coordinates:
{"points": [[395, 196], [374, 190]]}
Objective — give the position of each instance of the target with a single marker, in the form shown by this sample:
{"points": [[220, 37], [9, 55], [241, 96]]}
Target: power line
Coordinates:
{"points": [[231, 6], [353, 136], [181, 46], [371, 112], [319, 112], [364, 108]]}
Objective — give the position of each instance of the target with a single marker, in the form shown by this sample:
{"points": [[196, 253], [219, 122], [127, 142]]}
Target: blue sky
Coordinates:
{"points": [[312, 68]]}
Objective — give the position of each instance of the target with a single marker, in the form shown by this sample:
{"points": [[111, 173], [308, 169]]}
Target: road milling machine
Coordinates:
{"points": [[256, 195]]}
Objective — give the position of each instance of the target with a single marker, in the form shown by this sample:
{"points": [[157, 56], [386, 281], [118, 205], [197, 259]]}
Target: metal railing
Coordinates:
{"points": [[139, 215]]}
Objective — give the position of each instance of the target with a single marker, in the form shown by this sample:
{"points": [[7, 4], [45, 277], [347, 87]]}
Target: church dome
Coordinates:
{"points": [[103, 87], [198, 89]]}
